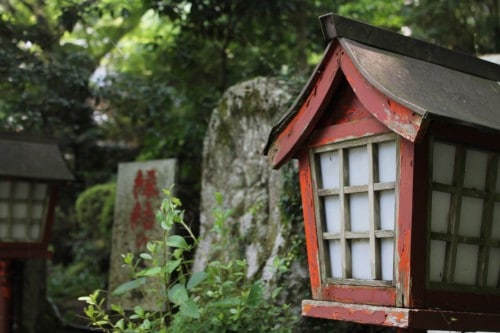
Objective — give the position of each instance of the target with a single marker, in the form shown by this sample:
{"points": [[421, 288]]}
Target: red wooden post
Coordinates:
{"points": [[5, 297]]}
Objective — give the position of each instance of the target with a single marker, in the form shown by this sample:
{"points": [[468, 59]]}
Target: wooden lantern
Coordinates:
{"points": [[30, 173], [398, 143]]}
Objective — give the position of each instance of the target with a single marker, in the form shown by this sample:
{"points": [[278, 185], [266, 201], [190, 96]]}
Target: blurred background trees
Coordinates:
{"points": [[118, 80]]}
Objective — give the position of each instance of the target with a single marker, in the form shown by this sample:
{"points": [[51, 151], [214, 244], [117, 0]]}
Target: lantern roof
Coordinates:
{"points": [[32, 157], [426, 80]]}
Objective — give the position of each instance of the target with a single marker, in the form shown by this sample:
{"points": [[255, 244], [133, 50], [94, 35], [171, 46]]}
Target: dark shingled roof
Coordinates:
{"points": [[429, 80], [31, 157]]}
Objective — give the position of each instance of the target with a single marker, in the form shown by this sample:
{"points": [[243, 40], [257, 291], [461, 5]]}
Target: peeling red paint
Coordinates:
{"points": [[363, 314], [397, 117], [404, 222], [354, 129], [309, 113], [310, 224], [360, 294]]}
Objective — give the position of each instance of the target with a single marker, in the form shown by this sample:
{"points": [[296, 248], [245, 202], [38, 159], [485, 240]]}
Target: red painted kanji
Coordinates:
{"points": [[142, 217]]}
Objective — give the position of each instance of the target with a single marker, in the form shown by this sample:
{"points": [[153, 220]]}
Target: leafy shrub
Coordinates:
{"points": [[95, 208], [219, 299], [88, 246]]}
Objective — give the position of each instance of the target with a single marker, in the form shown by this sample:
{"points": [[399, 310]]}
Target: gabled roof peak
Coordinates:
{"points": [[335, 26]]}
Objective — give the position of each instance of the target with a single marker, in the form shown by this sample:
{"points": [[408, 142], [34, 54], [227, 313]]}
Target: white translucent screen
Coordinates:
{"points": [[438, 250], [494, 268], [329, 164], [387, 209], [359, 212], [495, 231], [335, 259], [358, 166], [360, 255], [387, 162], [387, 257], [332, 213], [442, 163], [466, 264], [476, 163], [440, 211], [471, 212]]}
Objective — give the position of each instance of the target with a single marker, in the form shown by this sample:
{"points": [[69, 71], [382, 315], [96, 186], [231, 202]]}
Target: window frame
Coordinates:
{"points": [[452, 238], [374, 234]]}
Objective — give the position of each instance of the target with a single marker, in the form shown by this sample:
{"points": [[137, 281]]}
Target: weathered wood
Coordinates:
{"points": [[364, 314], [303, 123], [403, 246], [395, 116], [308, 210], [410, 320]]}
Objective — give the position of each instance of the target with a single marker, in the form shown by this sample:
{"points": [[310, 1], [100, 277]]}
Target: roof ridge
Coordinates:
{"points": [[336, 26]]}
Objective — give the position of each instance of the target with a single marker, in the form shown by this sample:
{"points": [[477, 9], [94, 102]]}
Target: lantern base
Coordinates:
{"points": [[402, 317]]}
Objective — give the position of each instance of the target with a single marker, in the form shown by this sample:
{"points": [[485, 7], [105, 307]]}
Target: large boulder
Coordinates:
{"points": [[234, 166]]}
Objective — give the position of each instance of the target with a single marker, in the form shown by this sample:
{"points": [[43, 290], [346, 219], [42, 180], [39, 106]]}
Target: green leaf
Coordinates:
{"points": [[146, 256], [195, 279], [190, 309], [127, 286], [255, 294], [172, 265], [150, 271], [177, 241], [233, 301], [178, 294]]}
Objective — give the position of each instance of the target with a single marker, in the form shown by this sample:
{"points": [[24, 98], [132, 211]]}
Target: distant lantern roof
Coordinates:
{"points": [[31, 157], [431, 81]]}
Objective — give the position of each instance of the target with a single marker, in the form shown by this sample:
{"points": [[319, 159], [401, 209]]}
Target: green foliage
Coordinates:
{"points": [[89, 245], [94, 210], [219, 299], [471, 26], [381, 13]]}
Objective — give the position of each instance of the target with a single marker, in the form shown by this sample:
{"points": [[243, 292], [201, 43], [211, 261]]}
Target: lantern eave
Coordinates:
{"points": [[414, 81]]}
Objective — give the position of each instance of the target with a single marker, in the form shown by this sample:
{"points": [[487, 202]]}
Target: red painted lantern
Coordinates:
{"points": [[398, 143], [30, 172]]}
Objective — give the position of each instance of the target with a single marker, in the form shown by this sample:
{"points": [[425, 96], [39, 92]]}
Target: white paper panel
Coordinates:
{"points": [[3, 231], [335, 259], [443, 162], [329, 165], [387, 209], [4, 210], [21, 190], [358, 166], [360, 254], [493, 268], [359, 212], [37, 210], [39, 191], [332, 213], [34, 233], [440, 211], [495, 232], [471, 213], [4, 189], [19, 211], [437, 255], [466, 264], [387, 162], [475, 169], [18, 231], [387, 258]]}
